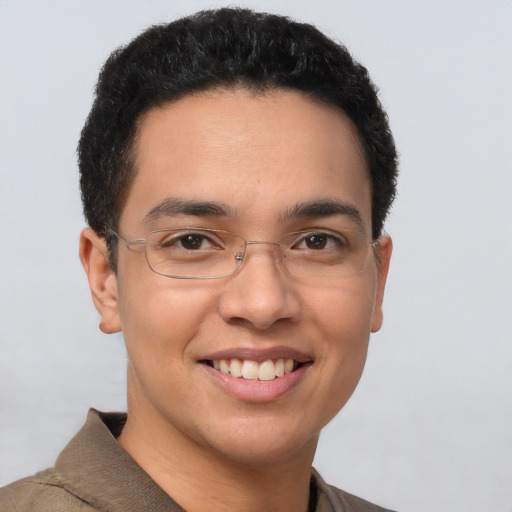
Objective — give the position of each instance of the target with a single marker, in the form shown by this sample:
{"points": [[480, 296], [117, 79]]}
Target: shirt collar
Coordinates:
{"points": [[96, 469]]}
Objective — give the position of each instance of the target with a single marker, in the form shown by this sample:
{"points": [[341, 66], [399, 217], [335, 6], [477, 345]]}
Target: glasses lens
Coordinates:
{"points": [[194, 253], [191, 253], [326, 253]]}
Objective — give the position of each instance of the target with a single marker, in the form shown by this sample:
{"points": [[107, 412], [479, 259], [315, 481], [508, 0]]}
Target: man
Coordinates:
{"points": [[236, 171]]}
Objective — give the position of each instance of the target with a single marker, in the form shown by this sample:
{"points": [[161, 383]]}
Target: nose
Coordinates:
{"points": [[260, 294]]}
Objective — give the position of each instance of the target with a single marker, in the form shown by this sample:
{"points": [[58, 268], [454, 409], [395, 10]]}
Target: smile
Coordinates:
{"points": [[252, 370]]}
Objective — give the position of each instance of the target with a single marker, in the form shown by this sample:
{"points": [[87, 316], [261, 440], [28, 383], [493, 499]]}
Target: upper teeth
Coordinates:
{"points": [[248, 369]]}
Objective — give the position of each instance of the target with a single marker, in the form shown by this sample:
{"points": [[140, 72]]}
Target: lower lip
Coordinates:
{"points": [[255, 390]]}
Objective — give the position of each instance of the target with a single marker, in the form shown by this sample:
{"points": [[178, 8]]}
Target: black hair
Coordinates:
{"points": [[222, 48]]}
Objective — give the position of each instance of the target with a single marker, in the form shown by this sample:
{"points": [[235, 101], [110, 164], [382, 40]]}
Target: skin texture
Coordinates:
{"points": [[259, 155]]}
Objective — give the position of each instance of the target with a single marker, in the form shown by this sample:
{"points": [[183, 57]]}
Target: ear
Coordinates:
{"points": [[385, 249], [102, 280]]}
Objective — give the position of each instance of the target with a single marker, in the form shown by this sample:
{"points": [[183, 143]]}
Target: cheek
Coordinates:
{"points": [[344, 326], [342, 319], [343, 309], [160, 318]]}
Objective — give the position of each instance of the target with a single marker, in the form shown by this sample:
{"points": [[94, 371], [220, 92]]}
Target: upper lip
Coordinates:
{"points": [[259, 354]]}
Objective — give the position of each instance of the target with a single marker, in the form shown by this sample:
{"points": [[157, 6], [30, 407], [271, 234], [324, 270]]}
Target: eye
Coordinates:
{"points": [[318, 241], [189, 242]]}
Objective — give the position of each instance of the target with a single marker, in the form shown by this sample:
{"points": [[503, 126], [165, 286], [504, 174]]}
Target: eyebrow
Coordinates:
{"points": [[324, 208], [317, 208], [174, 206]]}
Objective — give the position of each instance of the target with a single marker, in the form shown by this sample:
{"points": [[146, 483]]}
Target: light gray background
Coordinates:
{"points": [[430, 426]]}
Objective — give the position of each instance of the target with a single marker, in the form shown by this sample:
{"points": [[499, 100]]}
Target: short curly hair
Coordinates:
{"points": [[222, 48]]}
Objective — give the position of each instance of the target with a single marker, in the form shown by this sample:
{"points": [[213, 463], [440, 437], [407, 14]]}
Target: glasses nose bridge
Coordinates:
{"points": [[276, 245], [260, 242]]}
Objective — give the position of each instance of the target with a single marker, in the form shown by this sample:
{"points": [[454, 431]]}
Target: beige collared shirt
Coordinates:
{"points": [[94, 473]]}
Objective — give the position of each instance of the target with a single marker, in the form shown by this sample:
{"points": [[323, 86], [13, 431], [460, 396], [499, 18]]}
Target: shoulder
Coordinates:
{"points": [[332, 499], [352, 503], [40, 493]]}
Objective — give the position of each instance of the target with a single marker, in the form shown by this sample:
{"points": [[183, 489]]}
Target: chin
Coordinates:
{"points": [[262, 442]]}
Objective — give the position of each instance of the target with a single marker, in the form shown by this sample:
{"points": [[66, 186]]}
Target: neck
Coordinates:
{"points": [[198, 478]]}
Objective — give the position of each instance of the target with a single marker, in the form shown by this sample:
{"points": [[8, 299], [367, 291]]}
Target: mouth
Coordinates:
{"points": [[249, 369]]}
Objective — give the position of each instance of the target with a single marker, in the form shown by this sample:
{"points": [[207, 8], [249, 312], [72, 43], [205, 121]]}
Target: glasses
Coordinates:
{"points": [[203, 253]]}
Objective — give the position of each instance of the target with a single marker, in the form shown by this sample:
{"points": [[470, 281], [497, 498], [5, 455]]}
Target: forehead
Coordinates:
{"points": [[257, 154]]}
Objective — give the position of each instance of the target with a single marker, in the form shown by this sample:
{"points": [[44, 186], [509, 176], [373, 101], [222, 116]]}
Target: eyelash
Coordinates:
{"points": [[180, 240]]}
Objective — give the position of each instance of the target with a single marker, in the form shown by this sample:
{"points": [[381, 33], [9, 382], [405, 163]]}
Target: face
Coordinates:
{"points": [[246, 164]]}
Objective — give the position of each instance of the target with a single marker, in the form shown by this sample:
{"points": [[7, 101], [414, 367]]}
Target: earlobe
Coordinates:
{"points": [[102, 280], [385, 249]]}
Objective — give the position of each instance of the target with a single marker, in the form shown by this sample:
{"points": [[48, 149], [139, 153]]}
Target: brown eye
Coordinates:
{"points": [[188, 242], [320, 241], [191, 241], [316, 241]]}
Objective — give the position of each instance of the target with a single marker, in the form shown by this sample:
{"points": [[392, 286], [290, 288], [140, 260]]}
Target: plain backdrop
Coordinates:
{"points": [[430, 425]]}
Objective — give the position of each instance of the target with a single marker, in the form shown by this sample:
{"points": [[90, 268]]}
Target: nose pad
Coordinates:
{"points": [[277, 253], [260, 295]]}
